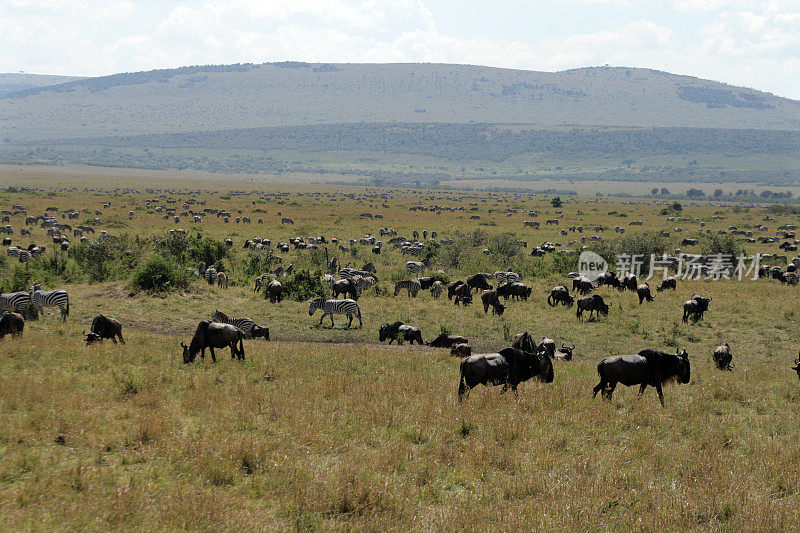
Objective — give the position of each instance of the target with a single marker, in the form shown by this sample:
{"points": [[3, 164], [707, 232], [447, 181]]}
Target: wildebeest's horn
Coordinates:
{"points": [[84, 332], [183, 345], [797, 361]]}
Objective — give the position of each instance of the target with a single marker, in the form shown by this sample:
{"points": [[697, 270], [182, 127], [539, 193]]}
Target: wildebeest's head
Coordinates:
{"points": [[683, 372], [186, 357], [383, 332], [524, 342], [796, 366], [258, 331], [91, 337], [602, 308]]}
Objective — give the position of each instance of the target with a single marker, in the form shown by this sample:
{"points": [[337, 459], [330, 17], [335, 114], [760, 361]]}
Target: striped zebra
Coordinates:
{"points": [[57, 298], [211, 275], [222, 280], [413, 286], [436, 289], [364, 282], [347, 273], [335, 307], [507, 277], [249, 328], [15, 301], [261, 281], [416, 267]]}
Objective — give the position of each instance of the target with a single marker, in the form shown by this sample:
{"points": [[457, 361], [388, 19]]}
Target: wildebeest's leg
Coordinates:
{"points": [[597, 388], [609, 390], [504, 389], [120, 338], [514, 390], [213, 355], [641, 389], [660, 394]]}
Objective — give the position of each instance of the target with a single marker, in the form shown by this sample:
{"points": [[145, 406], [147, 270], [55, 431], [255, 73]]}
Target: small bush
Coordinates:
{"points": [[208, 250], [158, 274], [303, 285]]}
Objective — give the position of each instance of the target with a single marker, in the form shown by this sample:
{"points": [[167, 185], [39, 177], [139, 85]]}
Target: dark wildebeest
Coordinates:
{"points": [[593, 303], [695, 307], [723, 357], [274, 291], [524, 341], [11, 324], [667, 283], [643, 292], [345, 287], [447, 341], [547, 346], [508, 367], [564, 353], [490, 299], [461, 350], [214, 335], [648, 367], [609, 278], [514, 290], [582, 285], [426, 282], [451, 288], [463, 295], [478, 282], [392, 331], [560, 295], [630, 282], [796, 366], [104, 328]]}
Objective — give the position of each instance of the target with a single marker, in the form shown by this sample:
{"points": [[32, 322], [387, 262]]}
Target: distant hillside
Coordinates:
{"points": [[13, 83], [284, 94]]}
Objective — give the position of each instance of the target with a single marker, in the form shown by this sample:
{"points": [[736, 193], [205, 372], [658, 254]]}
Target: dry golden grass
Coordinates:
{"points": [[325, 429]]}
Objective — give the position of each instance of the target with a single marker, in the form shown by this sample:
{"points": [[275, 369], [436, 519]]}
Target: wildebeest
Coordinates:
{"points": [[560, 295], [667, 283], [508, 367], [461, 350], [723, 357], [593, 303], [648, 367], [104, 328], [214, 335], [447, 341], [451, 288], [796, 366], [582, 285], [564, 353], [490, 299], [609, 278], [630, 282], [643, 292], [392, 331], [695, 307], [426, 282], [514, 290], [11, 323], [478, 282], [463, 295], [274, 291], [345, 287]]}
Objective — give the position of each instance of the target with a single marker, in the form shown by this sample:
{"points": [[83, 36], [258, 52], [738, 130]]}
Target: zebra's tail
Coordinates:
{"points": [[66, 314], [241, 345]]}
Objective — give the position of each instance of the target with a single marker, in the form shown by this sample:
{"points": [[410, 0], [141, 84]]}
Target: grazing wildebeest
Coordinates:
{"points": [[593, 303], [630, 282], [451, 288], [796, 366], [345, 287], [524, 341], [478, 282], [426, 282], [104, 328], [582, 285], [447, 341], [648, 367], [723, 357], [392, 331], [508, 367], [274, 291], [214, 335], [667, 283], [643, 292], [514, 290], [560, 295], [490, 299], [609, 278], [461, 350], [695, 307], [11, 323], [463, 295]]}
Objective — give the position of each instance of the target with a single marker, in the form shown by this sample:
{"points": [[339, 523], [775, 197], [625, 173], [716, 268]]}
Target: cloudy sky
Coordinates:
{"points": [[751, 43]]}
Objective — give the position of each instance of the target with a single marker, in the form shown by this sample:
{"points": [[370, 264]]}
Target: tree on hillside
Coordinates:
{"points": [[556, 202]]}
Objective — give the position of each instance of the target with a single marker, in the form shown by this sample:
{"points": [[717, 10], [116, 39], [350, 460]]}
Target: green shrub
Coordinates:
{"points": [[640, 245], [723, 244], [158, 274], [256, 263], [303, 285], [208, 250]]}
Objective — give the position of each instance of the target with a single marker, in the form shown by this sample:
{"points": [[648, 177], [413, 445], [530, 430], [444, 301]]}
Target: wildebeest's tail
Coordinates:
{"points": [[241, 345]]}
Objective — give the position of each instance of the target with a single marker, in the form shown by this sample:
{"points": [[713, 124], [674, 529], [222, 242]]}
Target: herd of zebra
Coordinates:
{"points": [[21, 302]]}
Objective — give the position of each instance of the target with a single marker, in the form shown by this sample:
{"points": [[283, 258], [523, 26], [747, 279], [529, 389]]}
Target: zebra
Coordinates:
{"points": [[364, 282], [507, 277], [57, 298], [413, 286], [261, 280], [436, 289], [15, 301], [249, 328], [335, 307], [414, 267], [222, 280], [211, 275], [347, 273]]}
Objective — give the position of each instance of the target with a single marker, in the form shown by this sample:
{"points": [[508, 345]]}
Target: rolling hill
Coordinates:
{"points": [[17, 82], [406, 121]]}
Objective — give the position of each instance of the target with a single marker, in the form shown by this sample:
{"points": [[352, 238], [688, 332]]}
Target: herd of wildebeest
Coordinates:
{"points": [[525, 359]]}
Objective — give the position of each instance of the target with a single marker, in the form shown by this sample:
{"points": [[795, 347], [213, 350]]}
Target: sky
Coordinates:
{"points": [[750, 43]]}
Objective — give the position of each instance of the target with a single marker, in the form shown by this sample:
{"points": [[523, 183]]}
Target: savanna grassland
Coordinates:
{"points": [[325, 428]]}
